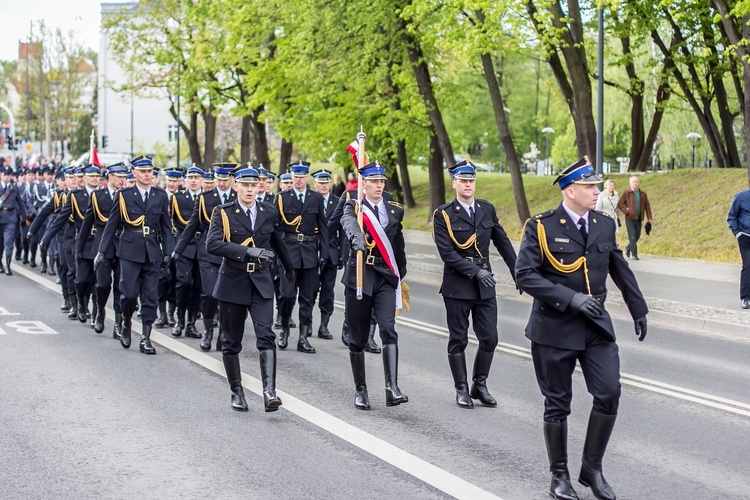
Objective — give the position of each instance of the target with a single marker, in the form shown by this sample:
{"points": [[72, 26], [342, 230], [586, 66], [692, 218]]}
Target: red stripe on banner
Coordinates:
{"points": [[375, 235]]}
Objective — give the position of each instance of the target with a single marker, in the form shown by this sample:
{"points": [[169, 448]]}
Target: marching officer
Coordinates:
{"points": [[187, 269], [141, 212], [565, 257], [12, 210], [303, 226], [245, 234], [262, 195], [463, 231], [27, 195], [167, 278], [42, 189], [285, 184], [196, 231], [270, 180], [84, 250], [64, 220], [327, 283], [209, 180], [41, 222], [385, 266], [107, 274]]}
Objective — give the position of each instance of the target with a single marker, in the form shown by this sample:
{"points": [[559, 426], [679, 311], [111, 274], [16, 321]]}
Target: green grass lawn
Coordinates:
{"points": [[689, 208]]}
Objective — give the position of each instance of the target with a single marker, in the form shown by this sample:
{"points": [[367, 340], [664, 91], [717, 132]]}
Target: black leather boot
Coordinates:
{"points": [[371, 345], [73, 313], [597, 437], [323, 332], [292, 324], [284, 335], [345, 333], [234, 376], [32, 259], [302, 344], [117, 331], [482, 364], [208, 335], [170, 313], [361, 399], [271, 401], [92, 314], [457, 363], [25, 257], [127, 323], [83, 307], [99, 319], [190, 330], [218, 338], [8, 272], [53, 267], [277, 322], [161, 320], [65, 307], [393, 395], [180, 324], [43, 267], [2, 268], [146, 347], [556, 438]]}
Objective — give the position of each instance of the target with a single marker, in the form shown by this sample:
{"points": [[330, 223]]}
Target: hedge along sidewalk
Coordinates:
{"points": [[692, 293]]}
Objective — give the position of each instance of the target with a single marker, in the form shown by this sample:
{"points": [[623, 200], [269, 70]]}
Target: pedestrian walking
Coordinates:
{"points": [[635, 205], [738, 219]]}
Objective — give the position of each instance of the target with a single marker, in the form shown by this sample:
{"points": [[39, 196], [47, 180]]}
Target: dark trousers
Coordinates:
{"points": [[84, 276], [187, 284], [8, 232], [108, 275], [167, 284], [382, 305], [233, 316], [634, 234], [144, 278], [70, 268], [209, 273], [306, 284], [483, 316], [62, 269], [744, 243], [327, 288], [554, 368]]}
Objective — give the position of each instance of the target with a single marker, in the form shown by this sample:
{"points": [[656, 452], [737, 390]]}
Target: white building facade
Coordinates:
{"points": [[132, 124]]}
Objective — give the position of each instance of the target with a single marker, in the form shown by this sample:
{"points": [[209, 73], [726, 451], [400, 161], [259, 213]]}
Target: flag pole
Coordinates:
{"points": [[361, 138]]}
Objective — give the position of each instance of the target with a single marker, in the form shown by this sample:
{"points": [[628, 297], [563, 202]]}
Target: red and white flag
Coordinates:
{"points": [[93, 157], [353, 149]]}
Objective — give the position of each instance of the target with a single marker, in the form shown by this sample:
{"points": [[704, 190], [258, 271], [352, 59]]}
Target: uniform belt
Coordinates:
{"points": [[482, 262], [198, 235], [93, 231], [9, 209], [249, 267], [372, 260], [601, 297], [300, 237], [144, 230]]}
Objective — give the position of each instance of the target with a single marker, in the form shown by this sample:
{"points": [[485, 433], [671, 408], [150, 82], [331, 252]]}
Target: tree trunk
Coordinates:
{"points": [[403, 168], [285, 155], [191, 134], [424, 83], [662, 95], [436, 175], [392, 183], [260, 139], [514, 164], [209, 120], [245, 139]]}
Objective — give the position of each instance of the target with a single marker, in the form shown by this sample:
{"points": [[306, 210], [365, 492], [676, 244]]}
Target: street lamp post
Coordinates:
{"points": [[547, 131], [693, 137]]}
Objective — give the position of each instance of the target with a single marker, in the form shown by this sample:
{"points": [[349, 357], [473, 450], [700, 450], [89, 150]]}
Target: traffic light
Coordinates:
{"points": [[11, 144], [104, 141]]}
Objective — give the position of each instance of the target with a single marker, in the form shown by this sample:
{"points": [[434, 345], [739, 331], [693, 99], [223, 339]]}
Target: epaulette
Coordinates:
{"points": [[543, 215], [396, 204], [226, 205], [444, 206], [265, 205], [160, 189], [601, 213]]}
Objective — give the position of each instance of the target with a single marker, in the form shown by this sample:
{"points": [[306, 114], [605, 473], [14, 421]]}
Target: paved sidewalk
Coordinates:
{"points": [[697, 294]]}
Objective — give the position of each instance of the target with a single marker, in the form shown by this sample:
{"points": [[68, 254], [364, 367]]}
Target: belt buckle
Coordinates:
{"points": [[146, 230], [174, 230], [250, 267], [370, 260], [198, 235], [300, 237], [470, 259], [93, 231]]}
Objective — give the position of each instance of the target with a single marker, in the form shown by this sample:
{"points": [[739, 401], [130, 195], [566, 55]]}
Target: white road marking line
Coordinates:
{"points": [[674, 391], [403, 460]]}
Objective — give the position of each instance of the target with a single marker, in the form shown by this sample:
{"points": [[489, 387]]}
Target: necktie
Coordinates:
{"points": [[145, 198], [225, 197], [582, 228], [250, 218], [300, 198], [471, 213]]}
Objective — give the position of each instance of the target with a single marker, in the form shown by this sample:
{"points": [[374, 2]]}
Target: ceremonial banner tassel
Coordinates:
{"points": [[360, 161]]}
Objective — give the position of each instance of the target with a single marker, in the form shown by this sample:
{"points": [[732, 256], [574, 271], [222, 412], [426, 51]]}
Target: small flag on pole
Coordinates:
{"points": [[93, 157]]}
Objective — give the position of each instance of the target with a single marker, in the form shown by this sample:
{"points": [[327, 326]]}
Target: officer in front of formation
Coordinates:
{"points": [[463, 231], [12, 210], [565, 257], [382, 241], [196, 231], [327, 283], [245, 235], [187, 269], [89, 241], [141, 212], [303, 225]]}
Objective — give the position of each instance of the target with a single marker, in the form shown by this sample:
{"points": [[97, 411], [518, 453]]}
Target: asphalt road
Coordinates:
{"points": [[82, 418]]}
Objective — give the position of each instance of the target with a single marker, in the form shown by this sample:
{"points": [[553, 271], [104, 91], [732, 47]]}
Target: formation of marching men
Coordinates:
{"points": [[219, 244]]}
